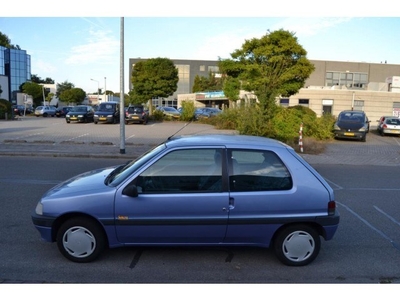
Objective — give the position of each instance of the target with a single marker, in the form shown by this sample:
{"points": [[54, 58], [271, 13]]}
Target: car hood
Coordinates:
{"points": [[349, 125], [85, 183], [76, 113]]}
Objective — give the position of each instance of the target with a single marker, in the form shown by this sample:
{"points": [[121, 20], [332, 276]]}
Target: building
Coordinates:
{"points": [[332, 87], [15, 69]]}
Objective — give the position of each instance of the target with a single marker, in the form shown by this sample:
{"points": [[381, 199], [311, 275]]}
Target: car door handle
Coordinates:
{"points": [[231, 203]]}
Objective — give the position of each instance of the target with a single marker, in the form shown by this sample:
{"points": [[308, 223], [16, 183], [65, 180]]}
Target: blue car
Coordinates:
{"points": [[204, 190]]}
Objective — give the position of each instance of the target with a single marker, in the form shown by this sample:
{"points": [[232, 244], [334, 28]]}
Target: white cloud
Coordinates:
{"points": [[101, 48], [43, 67], [308, 26]]}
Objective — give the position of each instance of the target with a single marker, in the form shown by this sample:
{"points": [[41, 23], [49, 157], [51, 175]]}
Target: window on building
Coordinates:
{"points": [[352, 80], [284, 102], [304, 102], [327, 106], [358, 105], [202, 68]]}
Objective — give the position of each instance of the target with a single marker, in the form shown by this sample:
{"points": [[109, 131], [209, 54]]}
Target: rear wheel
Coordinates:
{"points": [[81, 240], [297, 245]]}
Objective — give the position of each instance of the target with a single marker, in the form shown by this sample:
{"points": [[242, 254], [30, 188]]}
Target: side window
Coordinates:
{"points": [[257, 171], [183, 171]]}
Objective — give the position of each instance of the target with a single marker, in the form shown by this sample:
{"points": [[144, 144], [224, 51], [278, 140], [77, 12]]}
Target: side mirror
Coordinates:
{"points": [[130, 191]]}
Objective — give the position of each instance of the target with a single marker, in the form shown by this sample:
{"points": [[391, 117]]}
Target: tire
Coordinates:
{"points": [[45, 115], [68, 122], [81, 240], [364, 138], [297, 245]]}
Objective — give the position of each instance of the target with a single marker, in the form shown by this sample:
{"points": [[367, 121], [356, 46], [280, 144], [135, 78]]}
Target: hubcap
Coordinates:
{"points": [[79, 242], [298, 246]]}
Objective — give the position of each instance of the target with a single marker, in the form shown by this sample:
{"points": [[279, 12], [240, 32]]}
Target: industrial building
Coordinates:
{"points": [[332, 87]]}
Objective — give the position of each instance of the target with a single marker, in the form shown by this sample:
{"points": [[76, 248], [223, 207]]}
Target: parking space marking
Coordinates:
{"points": [[130, 137], [369, 225], [387, 215], [77, 137], [338, 187]]}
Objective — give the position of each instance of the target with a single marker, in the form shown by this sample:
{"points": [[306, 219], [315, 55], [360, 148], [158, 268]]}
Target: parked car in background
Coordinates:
{"points": [[136, 114], [18, 110], [206, 112], [80, 113], [62, 111], [45, 111], [169, 112], [388, 125], [351, 124], [199, 190], [107, 112]]}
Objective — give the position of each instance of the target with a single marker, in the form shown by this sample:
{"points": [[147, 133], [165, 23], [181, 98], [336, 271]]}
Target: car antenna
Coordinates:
{"points": [[180, 129]]}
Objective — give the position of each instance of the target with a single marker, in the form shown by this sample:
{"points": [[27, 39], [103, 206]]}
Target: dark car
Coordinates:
{"points": [[200, 190], [80, 113], [107, 112], [18, 110], [206, 112], [136, 114], [351, 124], [62, 111]]}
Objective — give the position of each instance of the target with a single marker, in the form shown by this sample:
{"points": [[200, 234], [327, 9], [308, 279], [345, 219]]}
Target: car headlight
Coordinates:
{"points": [[335, 127], [96, 116], [109, 116], [362, 129], [39, 209], [80, 116]]}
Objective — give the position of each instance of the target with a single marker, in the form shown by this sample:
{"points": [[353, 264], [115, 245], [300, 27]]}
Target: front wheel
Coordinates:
{"points": [[297, 245], [81, 240]]}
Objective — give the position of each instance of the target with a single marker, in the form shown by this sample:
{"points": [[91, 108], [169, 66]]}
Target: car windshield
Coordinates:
{"points": [[351, 117], [124, 171], [106, 107], [393, 121], [170, 109], [78, 109]]}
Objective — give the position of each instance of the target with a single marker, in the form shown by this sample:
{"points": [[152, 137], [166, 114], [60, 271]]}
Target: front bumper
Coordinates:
{"points": [[44, 225], [353, 135]]}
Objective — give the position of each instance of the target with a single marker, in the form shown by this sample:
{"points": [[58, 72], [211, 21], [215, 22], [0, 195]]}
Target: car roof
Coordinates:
{"points": [[232, 140]]}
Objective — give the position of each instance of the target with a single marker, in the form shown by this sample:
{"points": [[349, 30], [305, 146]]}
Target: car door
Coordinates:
{"points": [[260, 193], [182, 199]]}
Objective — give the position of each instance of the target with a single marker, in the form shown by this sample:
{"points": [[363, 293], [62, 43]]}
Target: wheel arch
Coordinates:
{"points": [[317, 227], [60, 220]]}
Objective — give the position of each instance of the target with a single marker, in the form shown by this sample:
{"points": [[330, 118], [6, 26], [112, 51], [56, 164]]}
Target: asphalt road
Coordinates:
{"points": [[364, 176]]}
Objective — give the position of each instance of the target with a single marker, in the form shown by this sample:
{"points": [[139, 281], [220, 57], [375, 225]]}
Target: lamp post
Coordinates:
{"points": [[98, 89], [105, 90]]}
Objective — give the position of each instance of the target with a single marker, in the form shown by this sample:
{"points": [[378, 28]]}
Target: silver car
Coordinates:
{"points": [[45, 111]]}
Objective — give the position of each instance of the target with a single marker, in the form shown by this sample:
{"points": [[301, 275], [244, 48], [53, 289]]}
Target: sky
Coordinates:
{"points": [[81, 41]]}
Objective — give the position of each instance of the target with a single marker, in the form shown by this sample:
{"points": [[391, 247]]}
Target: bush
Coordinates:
{"points": [[188, 110], [5, 108], [157, 115], [284, 126]]}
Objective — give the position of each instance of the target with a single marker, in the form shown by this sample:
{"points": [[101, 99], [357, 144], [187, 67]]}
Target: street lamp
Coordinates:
{"points": [[105, 90], [98, 89]]}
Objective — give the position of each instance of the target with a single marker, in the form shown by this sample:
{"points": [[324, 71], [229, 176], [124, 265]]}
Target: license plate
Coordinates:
{"points": [[394, 131], [349, 134], [102, 119], [135, 117], [73, 118]]}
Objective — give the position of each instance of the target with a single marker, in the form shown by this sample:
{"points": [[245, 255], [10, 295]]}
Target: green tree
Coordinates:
{"points": [[6, 42], [35, 90], [231, 88], [206, 84], [73, 95], [274, 65], [1, 90], [37, 79], [152, 78], [63, 86]]}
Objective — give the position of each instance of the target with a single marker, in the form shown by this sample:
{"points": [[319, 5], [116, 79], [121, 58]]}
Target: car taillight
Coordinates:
{"points": [[384, 126], [331, 207]]}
